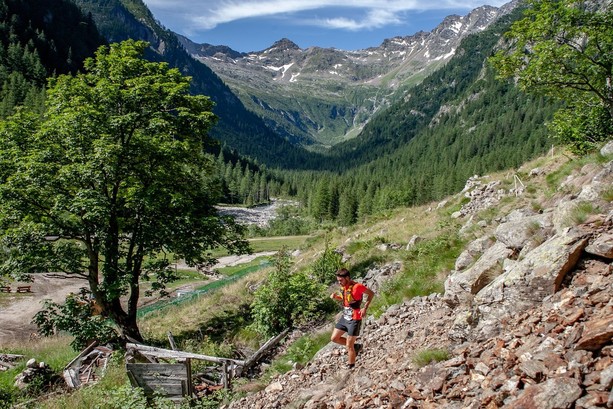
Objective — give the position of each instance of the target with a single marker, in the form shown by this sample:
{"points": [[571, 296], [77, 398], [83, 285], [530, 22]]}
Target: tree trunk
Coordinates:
{"points": [[130, 332], [129, 329], [126, 322]]}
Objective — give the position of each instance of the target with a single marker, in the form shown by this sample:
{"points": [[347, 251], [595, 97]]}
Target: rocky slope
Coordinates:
{"points": [[325, 95], [527, 317]]}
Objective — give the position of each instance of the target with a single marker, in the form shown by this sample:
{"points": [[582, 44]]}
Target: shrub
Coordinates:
{"points": [[134, 398], [76, 317], [325, 267], [607, 195], [287, 299], [6, 399], [300, 351]]}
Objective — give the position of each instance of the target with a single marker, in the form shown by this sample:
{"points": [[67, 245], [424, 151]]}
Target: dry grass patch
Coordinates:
{"points": [[190, 316]]}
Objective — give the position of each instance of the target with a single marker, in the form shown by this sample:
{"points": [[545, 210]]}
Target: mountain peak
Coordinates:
{"points": [[357, 83], [284, 44]]}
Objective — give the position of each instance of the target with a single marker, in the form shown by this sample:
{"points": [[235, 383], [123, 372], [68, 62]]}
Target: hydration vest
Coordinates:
{"points": [[349, 303]]}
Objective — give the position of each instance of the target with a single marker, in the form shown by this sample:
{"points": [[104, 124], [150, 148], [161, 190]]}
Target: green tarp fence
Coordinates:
{"points": [[200, 291]]}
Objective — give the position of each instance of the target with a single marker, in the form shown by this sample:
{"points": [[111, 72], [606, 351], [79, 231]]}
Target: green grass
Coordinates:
{"points": [[555, 178], [607, 195], [186, 277], [582, 211], [277, 243], [96, 396], [425, 267], [301, 352], [427, 356], [55, 351], [231, 275], [255, 264]]}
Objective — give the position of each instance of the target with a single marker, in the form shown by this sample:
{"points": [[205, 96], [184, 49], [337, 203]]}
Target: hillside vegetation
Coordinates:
{"points": [[238, 128], [112, 174], [219, 324]]}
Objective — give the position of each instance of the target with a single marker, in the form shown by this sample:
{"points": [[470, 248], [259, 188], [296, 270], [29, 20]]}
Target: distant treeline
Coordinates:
{"points": [[37, 42]]}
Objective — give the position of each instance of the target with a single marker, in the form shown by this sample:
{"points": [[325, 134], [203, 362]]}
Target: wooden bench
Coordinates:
{"points": [[5, 289], [24, 289]]}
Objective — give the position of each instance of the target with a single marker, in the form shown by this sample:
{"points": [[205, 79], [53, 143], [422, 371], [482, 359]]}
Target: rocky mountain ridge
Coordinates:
{"points": [[325, 95], [526, 316]]}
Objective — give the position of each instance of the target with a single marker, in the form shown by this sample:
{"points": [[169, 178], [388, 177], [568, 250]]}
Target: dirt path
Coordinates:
{"points": [[17, 310], [229, 261]]}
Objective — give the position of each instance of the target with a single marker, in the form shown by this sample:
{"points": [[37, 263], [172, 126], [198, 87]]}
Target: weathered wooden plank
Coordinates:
{"points": [[70, 373], [190, 383], [86, 351], [167, 353], [169, 379], [225, 376], [263, 349], [167, 389], [71, 378], [158, 369], [152, 380], [171, 340]]}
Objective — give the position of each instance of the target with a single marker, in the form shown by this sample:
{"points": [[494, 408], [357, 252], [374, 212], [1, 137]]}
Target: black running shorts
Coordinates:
{"points": [[351, 327]]}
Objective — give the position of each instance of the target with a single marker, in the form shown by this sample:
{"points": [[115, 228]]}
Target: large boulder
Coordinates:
{"points": [[601, 246], [461, 286], [599, 183], [517, 233], [607, 149], [529, 281], [555, 393], [473, 251], [377, 276]]}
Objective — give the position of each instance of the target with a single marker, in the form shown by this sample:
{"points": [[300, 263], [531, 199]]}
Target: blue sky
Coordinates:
{"points": [[254, 25]]}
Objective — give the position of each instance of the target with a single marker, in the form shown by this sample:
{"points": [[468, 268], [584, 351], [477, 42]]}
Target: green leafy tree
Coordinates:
{"points": [[110, 180], [287, 299], [564, 49], [271, 308]]}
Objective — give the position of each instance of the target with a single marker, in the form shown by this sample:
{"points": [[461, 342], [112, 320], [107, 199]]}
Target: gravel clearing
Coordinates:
{"points": [[258, 215]]}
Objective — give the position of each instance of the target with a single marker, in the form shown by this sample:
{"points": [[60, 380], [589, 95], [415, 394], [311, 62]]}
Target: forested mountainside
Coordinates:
{"points": [[459, 122], [237, 128], [37, 41], [466, 86], [323, 96]]}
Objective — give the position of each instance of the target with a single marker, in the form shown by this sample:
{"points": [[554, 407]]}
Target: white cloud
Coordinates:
{"points": [[207, 14], [373, 19]]}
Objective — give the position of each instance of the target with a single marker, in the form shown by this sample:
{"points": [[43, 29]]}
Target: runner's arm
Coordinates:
{"points": [[369, 294]]}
